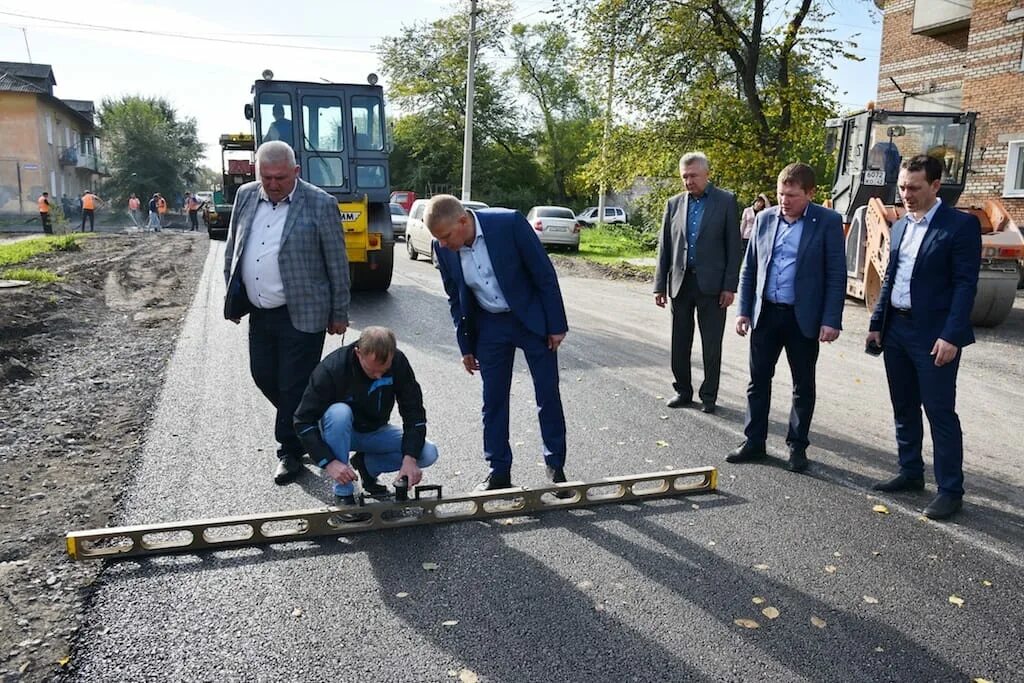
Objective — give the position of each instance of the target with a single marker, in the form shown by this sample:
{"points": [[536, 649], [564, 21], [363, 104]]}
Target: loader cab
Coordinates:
{"points": [[871, 145], [337, 131]]}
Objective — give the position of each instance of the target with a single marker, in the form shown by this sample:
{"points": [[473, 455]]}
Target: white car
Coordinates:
{"points": [[399, 219], [612, 214], [418, 240], [555, 225]]}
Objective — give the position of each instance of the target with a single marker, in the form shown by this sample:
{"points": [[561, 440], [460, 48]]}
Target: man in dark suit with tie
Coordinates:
{"points": [[699, 253], [792, 286], [922, 320], [503, 293], [285, 265]]}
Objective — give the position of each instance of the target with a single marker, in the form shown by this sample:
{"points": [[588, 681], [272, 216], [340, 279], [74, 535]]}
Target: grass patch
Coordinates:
{"points": [[610, 245], [23, 250], [30, 275]]}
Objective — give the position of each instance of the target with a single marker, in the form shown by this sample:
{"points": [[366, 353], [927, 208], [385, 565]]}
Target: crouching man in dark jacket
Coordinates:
{"points": [[347, 406]]}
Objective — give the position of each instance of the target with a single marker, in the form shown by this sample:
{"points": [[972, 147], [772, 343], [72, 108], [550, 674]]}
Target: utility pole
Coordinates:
{"points": [[467, 142], [24, 33], [604, 138]]}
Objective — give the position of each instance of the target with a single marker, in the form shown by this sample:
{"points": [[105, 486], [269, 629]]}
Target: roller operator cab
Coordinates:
{"points": [[338, 133], [869, 148]]}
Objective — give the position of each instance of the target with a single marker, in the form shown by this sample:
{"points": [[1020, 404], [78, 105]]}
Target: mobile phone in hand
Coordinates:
{"points": [[873, 348]]}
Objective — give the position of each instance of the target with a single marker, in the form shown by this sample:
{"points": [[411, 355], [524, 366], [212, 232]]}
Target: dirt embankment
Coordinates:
{"points": [[81, 365]]}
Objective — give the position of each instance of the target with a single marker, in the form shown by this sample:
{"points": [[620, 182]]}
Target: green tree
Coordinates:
{"points": [[564, 114], [741, 80], [149, 149]]}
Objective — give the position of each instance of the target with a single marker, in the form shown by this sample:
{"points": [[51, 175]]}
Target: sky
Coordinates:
{"points": [[209, 77]]}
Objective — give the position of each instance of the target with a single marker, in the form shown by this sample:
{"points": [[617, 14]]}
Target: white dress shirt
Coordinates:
{"points": [[261, 272], [478, 272], [913, 235]]}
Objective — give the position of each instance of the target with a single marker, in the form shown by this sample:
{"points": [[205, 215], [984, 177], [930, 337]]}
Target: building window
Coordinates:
{"points": [[49, 129], [1014, 185]]}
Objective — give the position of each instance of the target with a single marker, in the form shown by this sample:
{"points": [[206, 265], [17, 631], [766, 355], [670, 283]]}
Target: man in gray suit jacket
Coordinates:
{"points": [[699, 253], [285, 265]]}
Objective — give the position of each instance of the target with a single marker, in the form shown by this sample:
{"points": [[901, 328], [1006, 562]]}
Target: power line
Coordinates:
{"points": [[183, 36]]}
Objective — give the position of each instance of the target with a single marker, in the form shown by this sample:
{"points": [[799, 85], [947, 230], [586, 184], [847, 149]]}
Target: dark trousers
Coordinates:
{"points": [[776, 330], [193, 219], [281, 359], [711, 321], [44, 218], [915, 381], [500, 334], [88, 214]]}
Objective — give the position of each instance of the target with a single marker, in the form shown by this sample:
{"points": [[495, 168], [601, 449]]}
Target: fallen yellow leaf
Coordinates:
{"points": [[986, 583], [63, 661], [468, 676], [980, 680], [450, 623], [663, 417], [956, 600], [401, 595], [297, 612], [430, 566], [761, 567], [758, 601], [818, 621], [830, 569], [746, 623], [880, 509], [870, 600], [770, 612], [661, 444]]}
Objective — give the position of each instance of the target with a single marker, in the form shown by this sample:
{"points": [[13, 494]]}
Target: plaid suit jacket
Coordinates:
{"points": [[313, 262]]}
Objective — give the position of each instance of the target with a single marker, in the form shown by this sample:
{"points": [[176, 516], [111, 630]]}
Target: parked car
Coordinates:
{"points": [[555, 225], [418, 240], [403, 197], [399, 219], [612, 214]]}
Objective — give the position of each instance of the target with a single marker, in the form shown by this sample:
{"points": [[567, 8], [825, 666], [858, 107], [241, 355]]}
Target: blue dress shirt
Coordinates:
{"points": [[781, 285], [694, 215]]}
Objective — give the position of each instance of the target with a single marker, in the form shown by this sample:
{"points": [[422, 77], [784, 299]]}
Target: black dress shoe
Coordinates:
{"points": [[288, 470], [746, 453], [797, 461], [708, 407], [493, 482], [943, 506], [371, 486], [900, 482], [557, 476], [679, 401]]}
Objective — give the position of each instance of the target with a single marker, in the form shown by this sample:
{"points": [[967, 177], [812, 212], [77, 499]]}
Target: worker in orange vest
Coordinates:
{"points": [[89, 201], [44, 213], [161, 208], [193, 204]]}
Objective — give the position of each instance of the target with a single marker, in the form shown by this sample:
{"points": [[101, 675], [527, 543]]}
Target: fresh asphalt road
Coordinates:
{"points": [[612, 593]]}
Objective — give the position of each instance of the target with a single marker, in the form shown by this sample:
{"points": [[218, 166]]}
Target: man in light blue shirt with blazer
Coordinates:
{"points": [[503, 293], [792, 287]]}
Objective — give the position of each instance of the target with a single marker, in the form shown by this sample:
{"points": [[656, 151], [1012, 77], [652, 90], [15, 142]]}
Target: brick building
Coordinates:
{"points": [[963, 55], [46, 143]]}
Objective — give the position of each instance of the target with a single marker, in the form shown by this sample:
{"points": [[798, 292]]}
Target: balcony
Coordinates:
{"points": [[935, 17], [73, 156]]}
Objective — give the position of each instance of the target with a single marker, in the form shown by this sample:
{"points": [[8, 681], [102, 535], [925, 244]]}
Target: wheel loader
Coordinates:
{"points": [[870, 146]]}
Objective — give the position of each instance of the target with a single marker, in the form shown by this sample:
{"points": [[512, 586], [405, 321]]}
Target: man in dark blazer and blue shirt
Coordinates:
{"points": [[922, 320], [699, 253], [285, 265], [792, 287], [503, 293]]}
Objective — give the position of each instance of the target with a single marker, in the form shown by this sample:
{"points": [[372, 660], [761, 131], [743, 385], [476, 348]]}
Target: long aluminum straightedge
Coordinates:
{"points": [[298, 525]]}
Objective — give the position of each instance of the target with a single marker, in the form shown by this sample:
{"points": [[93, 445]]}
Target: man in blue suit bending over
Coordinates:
{"points": [[792, 286], [504, 295], [922, 320]]}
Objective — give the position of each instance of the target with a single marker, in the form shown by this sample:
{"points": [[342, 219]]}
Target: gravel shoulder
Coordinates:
{"points": [[81, 367]]}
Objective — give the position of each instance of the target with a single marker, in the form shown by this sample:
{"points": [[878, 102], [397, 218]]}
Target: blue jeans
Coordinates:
{"points": [[382, 448]]}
